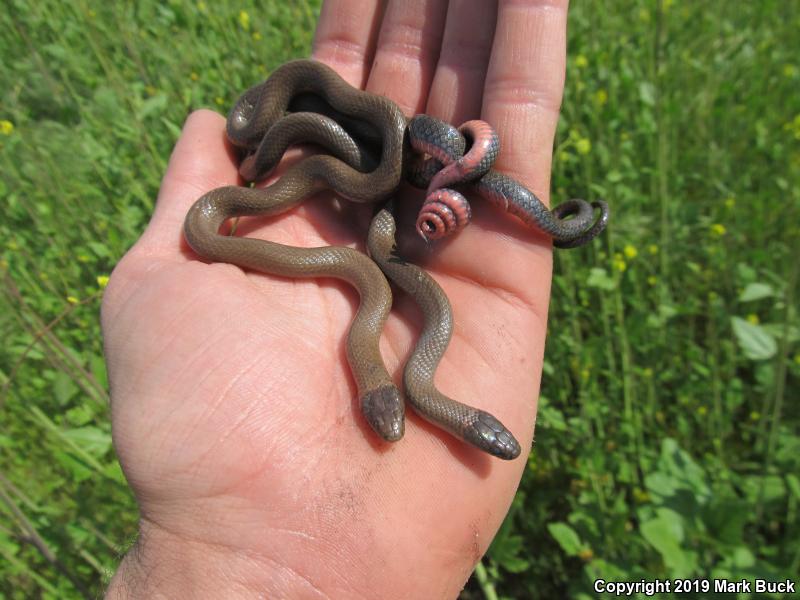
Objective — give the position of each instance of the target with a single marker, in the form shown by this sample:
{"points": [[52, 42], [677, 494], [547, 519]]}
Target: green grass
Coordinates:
{"points": [[667, 443]]}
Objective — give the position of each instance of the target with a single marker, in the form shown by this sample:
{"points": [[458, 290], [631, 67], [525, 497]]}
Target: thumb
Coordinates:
{"points": [[201, 161]]}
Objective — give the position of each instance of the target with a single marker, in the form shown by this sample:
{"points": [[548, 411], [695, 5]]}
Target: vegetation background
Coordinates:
{"points": [[667, 441]]}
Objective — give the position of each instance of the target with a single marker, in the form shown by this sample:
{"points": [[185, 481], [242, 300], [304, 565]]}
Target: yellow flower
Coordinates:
{"points": [[583, 146], [730, 202], [586, 554], [753, 318], [219, 100], [600, 97], [585, 373], [718, 229], [256, 36], [581, 61], [194, 76], [72, 300], [244, 19], [102, 281], [84, 258], [755, 415], [630, 251], [6, 127], [619, 263], [647, 373], [702, 410], [789, 71], [652, 280], [652, 249]]}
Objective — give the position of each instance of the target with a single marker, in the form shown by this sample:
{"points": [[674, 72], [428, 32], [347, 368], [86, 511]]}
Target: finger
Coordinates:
{"points": [[346, 36], [456, 93], [201, 161], [524, 86], [408, 47]]}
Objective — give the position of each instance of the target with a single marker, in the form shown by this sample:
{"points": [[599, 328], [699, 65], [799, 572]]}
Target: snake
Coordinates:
{"points": [[253, 116], [306, 101], [446, 211], [477, 427]]}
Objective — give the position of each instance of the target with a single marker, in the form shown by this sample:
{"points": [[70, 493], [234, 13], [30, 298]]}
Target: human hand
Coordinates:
{"points": [[234, 412]]}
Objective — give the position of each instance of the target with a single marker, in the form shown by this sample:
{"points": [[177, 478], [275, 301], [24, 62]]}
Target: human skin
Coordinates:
{"points": [[234, 411]]}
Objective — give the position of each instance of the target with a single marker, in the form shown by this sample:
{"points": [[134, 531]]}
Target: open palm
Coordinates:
{"points": [[235, 415]]}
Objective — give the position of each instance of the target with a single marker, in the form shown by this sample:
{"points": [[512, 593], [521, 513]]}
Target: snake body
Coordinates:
{"points": [[252, 118]]}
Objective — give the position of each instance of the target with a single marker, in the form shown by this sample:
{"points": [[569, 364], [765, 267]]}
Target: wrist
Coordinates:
{"points": [[165, 565]]}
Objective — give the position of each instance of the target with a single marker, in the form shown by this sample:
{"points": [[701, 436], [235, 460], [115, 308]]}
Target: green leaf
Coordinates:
{"points": [[647, 92], [100, 250], [754, 340], [793, 483], [665, 533], [156, 104], [63, 388], [599, 278], [507, 548], [765, 488], [79, 415], [114, 471], [98, 367], [661, 484], [551, 418], [171, 127], [93, 440], [566, 538], [686, 473], [726, 516], [756, 291]]}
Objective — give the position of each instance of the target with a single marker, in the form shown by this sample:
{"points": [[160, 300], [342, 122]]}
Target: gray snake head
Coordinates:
{"points": [[490, 435], [384, 410]]}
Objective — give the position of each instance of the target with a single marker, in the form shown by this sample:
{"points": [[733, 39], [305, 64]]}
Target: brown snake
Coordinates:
{"points": [[259, 118]]}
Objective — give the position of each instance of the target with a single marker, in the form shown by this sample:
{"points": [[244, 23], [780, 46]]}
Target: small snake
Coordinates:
{"points": [[258, 112], [446, 211], [477, 427]]}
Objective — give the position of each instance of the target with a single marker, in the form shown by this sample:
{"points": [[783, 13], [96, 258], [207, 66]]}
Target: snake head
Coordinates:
{"points": [[490, 435], [384, 410]]}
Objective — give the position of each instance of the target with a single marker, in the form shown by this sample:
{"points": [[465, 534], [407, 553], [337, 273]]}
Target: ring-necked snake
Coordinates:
{"points": [[352, 121]]}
